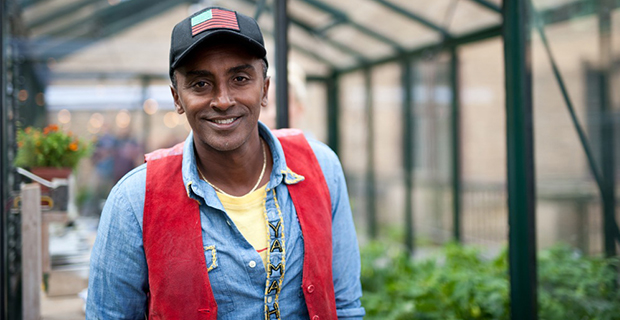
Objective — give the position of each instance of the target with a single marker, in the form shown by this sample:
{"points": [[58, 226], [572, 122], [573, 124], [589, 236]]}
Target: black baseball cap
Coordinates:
{"points": [[212, 25]]}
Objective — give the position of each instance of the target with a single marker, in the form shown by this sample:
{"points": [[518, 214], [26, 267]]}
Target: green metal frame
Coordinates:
{"points": [[415, 17], [371, 206], [4, 168], [520, 160], [455, 121], [358, 56], [608, 146], [341, 16], [489, 5], [61, 13], [260, 7], [408, 154], [333, 112], [281, 75], [315, 33], [109, 21], [29, 3], [604, 181], [475, 36]]}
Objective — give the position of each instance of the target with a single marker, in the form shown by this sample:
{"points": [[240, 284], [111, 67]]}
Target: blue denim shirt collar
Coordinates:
{"points": [[200, 190]]}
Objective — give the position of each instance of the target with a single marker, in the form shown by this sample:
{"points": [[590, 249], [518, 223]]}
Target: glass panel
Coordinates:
{"points": [[431, 111], [353, 144], [483, 128], [469, 17], [387, 140], [571, 204], [369, 46]]}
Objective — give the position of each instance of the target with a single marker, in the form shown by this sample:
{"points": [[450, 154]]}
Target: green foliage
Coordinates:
{"points": [[460, 284], [50, 147], [572, 286]]}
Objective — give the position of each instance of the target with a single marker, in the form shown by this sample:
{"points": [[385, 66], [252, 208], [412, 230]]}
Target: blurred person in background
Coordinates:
{"points": [[237, 222], [296, 96]]}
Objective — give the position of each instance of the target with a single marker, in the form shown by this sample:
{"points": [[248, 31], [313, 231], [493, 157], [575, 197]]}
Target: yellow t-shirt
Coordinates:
{"points": [[247, 212]]}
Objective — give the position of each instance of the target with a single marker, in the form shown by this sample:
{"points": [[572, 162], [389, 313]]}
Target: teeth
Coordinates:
{"points": [[225, 121]]}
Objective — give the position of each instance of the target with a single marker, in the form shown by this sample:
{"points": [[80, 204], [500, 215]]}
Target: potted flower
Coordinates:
{"points": [[51, 152]]}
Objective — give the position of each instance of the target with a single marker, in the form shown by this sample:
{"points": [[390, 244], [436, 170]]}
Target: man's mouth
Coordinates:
{"points": [[224, 121]]}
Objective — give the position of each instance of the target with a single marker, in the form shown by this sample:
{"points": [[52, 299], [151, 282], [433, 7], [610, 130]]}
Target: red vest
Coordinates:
{"points": [[178, 279]]}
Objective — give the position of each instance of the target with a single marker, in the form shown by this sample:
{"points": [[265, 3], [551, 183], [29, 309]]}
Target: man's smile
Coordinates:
{"points": [[224, 121]]}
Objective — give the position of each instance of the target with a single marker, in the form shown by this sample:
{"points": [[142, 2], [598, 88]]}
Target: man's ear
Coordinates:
{"points": [[177, 101], [265, 98]]}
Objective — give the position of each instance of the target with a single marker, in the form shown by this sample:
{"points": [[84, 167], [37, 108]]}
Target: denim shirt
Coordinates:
{"points": [[118, 282]]}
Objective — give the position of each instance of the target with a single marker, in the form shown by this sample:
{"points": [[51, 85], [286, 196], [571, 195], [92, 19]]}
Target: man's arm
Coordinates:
{"points": [[346, 256], [118, 279]]}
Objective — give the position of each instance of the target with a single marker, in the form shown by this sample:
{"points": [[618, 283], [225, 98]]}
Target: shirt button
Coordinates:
{"points": [[316, 317], [311, 290], [228, 221], [252, 264], [269, 299]]}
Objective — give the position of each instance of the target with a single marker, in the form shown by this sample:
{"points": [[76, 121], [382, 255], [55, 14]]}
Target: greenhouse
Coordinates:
{"points": [[480, 141]]}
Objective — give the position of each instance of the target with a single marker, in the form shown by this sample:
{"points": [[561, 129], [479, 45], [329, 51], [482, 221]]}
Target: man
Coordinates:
{"points": [[236, 223]]}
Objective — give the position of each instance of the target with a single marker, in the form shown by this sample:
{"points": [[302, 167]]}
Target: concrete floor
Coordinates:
{"points": [[61, 307]]}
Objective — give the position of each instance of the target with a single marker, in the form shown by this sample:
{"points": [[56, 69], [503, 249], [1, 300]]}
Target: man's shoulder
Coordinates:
{"points": [[322, 151], [133, 182], [327, 158]]}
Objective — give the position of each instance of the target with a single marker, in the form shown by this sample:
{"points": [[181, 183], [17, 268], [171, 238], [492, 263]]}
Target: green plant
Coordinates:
{"points": [[459, 283], [50, 147], [572, 286]]}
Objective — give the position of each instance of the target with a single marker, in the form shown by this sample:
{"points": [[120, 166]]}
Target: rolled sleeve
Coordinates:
{"points": [[346, 257]]}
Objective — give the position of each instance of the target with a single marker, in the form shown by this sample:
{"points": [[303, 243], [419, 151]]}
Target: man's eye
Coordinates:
{"points": [[240, 78], [200, 84]]}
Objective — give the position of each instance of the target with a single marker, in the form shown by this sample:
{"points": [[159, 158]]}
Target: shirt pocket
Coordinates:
{"points": [[218, 281]]}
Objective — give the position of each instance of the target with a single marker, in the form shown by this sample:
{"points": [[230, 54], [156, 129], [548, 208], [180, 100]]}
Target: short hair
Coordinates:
{"points": [[173, 77]]}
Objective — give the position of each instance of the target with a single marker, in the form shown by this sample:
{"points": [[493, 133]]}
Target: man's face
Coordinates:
{"points": [[221, 90]]}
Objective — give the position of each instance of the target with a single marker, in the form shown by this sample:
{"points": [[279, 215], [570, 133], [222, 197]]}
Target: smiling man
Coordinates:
{"points": [[237, 222]]}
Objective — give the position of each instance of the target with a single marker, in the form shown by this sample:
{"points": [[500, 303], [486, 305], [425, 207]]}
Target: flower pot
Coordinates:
{"points": [[49, 173], [59, 195]]}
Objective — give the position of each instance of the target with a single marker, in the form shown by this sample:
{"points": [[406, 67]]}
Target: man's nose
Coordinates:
{"points": [[222, 99]]}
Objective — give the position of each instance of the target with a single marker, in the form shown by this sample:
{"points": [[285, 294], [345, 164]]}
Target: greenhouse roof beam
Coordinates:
{"points": [[413, 16], [61, 13], [331, 42], [573, 10], [361, 28], [336, 21], [260, 7], [448, 42], [313, 32], [309, 53], [107, 22], [489, 5], [27, 3]]}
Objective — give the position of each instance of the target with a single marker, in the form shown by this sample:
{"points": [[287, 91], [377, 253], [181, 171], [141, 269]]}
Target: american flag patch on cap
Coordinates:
{"points": [[212, 19]]}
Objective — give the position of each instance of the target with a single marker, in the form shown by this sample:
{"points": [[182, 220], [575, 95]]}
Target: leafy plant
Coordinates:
{"points": [[460, 284], [50, 147]]}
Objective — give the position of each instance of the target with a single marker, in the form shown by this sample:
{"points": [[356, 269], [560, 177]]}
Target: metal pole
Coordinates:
{"points": [[281, 39], [456, 145], [4, 185], [371, 209], [607, 130], [408, 155], [520, 160], [333, 113]]}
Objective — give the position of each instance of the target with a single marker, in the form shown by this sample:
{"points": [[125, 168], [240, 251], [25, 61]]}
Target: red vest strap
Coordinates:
{"points": [[170, 214], [313, 204]]}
